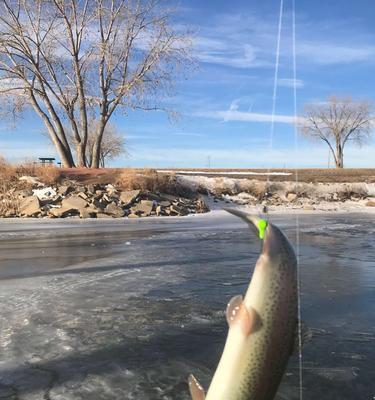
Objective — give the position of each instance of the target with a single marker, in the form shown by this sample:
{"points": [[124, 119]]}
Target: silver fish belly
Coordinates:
{"points": [[262, 326]]}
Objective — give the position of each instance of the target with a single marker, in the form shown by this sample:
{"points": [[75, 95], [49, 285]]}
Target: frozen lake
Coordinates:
{"points": [[126, 309]]}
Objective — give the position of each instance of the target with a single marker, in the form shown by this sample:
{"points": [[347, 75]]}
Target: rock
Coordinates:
{"points": [[83, 195], [201, 206], [102, 215], [74, 202], [142, 209], [149, 203], [133, 215], [21, 194], [308, 207], [158, 210], [64, 190], [178, 210], [30, 206], [169, 197], [63, 211], [370, 204], [99, 204], [111, 190], [128, 197], [291, 196], [32, 180], [114, 210], [165, 203], [45, 193], [90, 189], [106, 198], [88, 213]]}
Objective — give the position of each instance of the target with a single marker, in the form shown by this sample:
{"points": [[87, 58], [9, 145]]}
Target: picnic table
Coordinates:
{"points": [[46, 160]]}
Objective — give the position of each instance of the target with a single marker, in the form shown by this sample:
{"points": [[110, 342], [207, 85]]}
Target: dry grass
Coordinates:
{"points": [[10, 174], [146, 180]]}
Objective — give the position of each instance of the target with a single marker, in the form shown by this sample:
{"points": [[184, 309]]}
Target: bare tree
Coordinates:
{"points": [[112, 146], [336, 122], [70, 60]]}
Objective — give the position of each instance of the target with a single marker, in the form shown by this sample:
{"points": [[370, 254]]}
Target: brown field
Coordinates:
{"points": [[132, 177], [304, 175]]}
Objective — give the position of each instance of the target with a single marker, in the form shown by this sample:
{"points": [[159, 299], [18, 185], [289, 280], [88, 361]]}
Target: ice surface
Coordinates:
{"points": [[127, 309]]}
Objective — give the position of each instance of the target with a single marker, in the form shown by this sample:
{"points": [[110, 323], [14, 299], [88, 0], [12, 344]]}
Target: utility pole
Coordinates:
{"points": [[209, 162]]}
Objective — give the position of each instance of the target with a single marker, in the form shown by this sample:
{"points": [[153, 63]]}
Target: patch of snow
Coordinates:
{"points": [[226, 172]]}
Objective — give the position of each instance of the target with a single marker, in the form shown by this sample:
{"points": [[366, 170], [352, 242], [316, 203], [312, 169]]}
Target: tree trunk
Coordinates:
{"points": [[95, 163], [64, 154], [339, 157], [81, 154], [63, 149]]}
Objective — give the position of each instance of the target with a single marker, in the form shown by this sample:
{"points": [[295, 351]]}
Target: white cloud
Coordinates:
{"points": [[335, 53], [249, 41], [234, 115], [290, 83]]}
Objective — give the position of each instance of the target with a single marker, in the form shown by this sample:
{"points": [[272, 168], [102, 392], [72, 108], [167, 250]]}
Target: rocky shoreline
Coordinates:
{"points": [[30, 197], [285, 195], [74, 199]]}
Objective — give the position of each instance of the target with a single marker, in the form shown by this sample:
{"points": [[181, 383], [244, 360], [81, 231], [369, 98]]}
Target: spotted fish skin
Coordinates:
{"points": [[259, 345]]}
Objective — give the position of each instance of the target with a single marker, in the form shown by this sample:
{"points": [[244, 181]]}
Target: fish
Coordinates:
{"points": [[263, 325]]}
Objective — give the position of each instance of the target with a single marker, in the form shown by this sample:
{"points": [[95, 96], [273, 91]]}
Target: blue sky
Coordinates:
{"points": [[225, 105]]}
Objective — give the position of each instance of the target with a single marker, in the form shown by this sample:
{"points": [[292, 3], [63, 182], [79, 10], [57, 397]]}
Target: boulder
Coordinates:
{"points": [[168, 197], [62, 212], [31, 180], [291, 196], [176, 210], [133, 215], [370, 204], [90, 189], [83, 195], [165, 203], [74, 202], [128, 197], [45, 193], [110, 189], [114, 210], [201, 206], [142, 209], [102, 215], [64, 190], [149, 203], [99, 204], [21, 194], [88, 212], [30, 206]]}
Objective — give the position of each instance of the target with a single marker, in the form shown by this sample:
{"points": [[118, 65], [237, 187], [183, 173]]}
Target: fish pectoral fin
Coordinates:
{"points": [[196, 389], [238, 314]]}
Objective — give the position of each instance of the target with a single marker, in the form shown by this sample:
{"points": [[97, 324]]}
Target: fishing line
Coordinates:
{"points": [[271, 139], [300, 359], [275, 81]]}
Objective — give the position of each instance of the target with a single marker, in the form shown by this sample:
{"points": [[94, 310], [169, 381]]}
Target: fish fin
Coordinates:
{"points": [[196, 389], [237, 313]]}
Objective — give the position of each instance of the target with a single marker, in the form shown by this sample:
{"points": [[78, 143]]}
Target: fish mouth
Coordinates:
{"points": [[271, 236]]}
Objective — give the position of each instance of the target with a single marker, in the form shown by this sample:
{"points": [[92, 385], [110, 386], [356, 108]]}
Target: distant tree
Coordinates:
{"points": [[112, 146], [336, 122], [69, 59]]}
